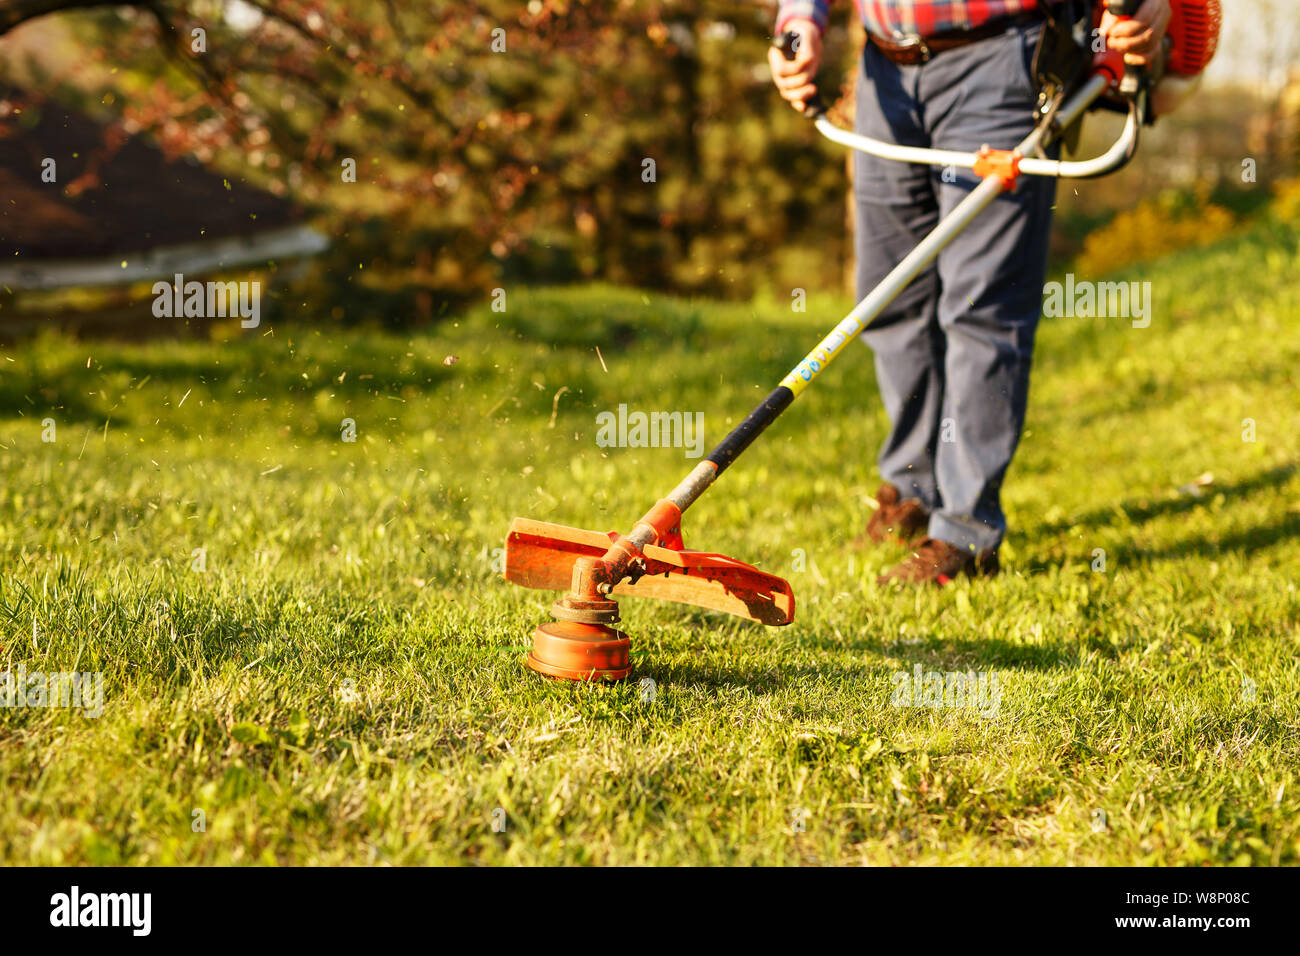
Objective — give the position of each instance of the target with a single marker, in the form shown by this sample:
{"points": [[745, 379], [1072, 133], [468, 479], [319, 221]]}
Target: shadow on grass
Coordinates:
{"points": [[958, 654], [30, 399], [1142, 510], [243, 375], [731, 677], [1247, 541], [985, 653]]}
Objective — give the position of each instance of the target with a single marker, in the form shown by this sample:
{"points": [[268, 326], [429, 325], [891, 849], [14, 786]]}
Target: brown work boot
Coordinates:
{"points": [[896, 519], [938, 562]]}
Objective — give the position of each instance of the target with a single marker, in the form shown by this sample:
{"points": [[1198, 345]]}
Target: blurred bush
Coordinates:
{"points": [[1156, 226], [1286, 202]]}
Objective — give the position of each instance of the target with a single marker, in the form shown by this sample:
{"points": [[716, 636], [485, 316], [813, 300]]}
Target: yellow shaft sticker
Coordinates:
{"points": [[822, 355]]}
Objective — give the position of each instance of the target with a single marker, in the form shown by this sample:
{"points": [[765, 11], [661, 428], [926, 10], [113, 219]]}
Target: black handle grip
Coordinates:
{"points": [[788, 43], [1135, 78]]}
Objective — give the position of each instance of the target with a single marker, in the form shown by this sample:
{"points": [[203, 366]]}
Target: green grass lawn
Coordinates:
{"points": [[343, 682]]}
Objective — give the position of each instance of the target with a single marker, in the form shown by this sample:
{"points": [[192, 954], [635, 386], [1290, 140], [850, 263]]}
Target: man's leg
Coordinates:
{"points": [[991, 280], [895, 206]]}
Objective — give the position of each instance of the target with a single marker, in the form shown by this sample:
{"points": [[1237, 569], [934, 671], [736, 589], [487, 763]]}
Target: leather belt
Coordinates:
{"points": [[912, 50]]}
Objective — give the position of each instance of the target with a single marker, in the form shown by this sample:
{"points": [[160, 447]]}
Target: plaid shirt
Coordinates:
{"points": [[909, 17]]}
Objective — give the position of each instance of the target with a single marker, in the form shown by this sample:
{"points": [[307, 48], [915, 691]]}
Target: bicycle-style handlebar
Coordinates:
{"points": [[1101, 82]]}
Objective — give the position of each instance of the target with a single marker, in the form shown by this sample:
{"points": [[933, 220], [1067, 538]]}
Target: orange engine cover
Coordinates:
{"points": [[1194, 30]]}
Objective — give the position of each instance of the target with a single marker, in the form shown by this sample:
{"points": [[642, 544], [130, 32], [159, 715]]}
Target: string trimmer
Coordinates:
{"points": [[651, 560]]}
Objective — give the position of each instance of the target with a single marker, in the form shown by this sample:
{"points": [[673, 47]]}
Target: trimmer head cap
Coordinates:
{"points": [[576, 651]]}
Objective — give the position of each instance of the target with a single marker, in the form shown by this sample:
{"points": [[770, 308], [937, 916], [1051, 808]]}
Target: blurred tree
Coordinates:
{"points": [[638, 141]]}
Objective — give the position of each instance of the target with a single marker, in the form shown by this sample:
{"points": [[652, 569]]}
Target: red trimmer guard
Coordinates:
{"points": [[541, 555]]}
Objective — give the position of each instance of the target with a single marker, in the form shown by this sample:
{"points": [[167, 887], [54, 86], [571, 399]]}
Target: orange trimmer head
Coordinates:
{"points": [[580, 644]]}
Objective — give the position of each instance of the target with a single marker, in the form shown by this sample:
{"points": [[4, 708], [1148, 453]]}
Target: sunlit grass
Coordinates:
{"points": [[343, 681]]}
